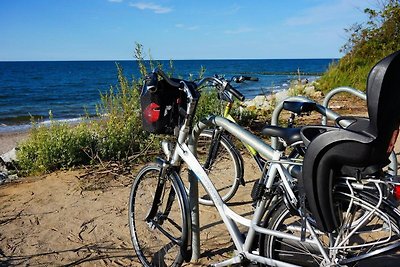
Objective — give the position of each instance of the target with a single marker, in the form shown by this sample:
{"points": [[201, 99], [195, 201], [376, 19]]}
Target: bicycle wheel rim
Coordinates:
{"points": [[156, 243]]}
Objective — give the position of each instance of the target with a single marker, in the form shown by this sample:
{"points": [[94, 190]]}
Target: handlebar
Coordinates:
{"points": [[235, 92], [244, 78], [167, 79], [225, 85], [221, 83]]}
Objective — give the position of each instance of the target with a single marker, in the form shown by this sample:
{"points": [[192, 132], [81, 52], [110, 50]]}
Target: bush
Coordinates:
{"points": [[54, 147]]}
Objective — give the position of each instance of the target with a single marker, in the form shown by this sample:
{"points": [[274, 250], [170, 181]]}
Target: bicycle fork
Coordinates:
{"points": [[157, 201], [165, 198]]}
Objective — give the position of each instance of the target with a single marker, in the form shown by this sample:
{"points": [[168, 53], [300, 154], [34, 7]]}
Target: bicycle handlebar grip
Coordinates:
{"points": [[167, 79], [235, 92]]}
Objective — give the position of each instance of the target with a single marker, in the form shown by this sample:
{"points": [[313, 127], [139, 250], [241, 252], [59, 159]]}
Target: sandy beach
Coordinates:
{"points": [[9, 140], [69, 218]]}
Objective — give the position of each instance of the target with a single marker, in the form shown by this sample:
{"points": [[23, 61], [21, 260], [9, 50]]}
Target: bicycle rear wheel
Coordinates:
{"points": [[160, 233], [380, 232], [222, 163]]}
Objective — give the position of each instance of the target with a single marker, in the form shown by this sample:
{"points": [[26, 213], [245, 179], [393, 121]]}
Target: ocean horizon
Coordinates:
{"points": [[71, 89]]}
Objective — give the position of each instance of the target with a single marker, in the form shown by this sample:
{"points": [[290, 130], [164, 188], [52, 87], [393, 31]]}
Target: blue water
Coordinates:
{"points": [[71, 89]]}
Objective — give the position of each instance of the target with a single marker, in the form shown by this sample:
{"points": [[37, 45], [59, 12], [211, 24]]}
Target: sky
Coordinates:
{"points": [[175, 29]]}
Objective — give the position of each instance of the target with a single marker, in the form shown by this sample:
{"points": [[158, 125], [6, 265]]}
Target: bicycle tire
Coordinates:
{"points": [[282, 218], [162, 240], [226, 167]]}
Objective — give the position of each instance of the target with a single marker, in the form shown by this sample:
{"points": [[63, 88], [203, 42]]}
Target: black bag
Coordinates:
{"points": [[160, 105]]}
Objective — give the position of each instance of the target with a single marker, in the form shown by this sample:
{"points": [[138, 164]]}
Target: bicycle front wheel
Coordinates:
{"points": [[159, 222], [222, 163]]}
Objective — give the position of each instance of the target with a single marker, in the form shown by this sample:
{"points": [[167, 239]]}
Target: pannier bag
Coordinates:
{"points": [[160, 104]]}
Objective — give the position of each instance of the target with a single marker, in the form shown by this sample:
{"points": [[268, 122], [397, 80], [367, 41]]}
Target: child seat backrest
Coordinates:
{"points": [[383, 100], [360, 146]]}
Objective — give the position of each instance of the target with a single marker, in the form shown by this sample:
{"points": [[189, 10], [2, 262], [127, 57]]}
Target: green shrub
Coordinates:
{"points": [[120, 134], [53, 147], [208, 104]]}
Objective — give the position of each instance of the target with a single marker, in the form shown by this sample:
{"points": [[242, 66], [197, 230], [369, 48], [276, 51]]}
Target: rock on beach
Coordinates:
{"points": [[267, 102], [8, 143]]}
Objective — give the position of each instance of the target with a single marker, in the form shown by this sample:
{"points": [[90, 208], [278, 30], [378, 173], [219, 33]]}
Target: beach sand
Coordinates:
{"points": [[69, 219], [10, 140]]}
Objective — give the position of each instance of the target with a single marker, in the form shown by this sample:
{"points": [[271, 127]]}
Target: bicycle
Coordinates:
{"points": [[219, 145], [281, 219], [218, 153], [213, 142]]}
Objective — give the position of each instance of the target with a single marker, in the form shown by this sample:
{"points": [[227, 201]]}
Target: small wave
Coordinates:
{"points": [[67, 121]]}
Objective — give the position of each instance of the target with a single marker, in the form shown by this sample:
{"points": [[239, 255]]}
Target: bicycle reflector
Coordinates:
{"points": [[396, 191], [151, 113], [393, 141]]}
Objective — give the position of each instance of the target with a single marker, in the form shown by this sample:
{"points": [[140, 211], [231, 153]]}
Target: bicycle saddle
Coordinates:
{"points": [[365, 144], [289, 135], [299, 107]]}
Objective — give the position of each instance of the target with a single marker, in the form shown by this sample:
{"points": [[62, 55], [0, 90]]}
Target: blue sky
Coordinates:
{"points": [[175, 29]]}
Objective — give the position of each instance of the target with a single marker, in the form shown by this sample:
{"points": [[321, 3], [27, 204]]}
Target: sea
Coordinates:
{"points": [[71, 89]]}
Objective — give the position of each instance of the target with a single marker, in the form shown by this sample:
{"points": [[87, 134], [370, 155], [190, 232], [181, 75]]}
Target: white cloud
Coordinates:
{"points": [[239, 30], [115, 1], [158, 9]]}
